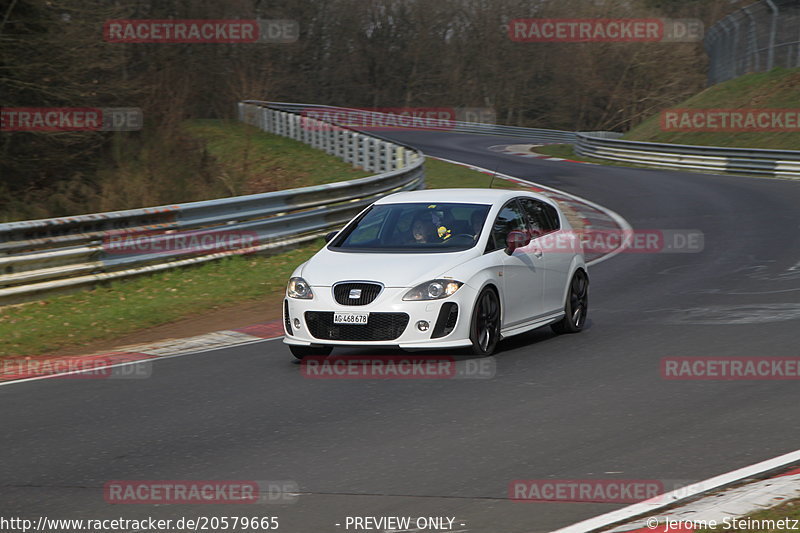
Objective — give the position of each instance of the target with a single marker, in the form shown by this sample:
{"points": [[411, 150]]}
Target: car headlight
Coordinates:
{"points": [[433, 290], [299, 288]]}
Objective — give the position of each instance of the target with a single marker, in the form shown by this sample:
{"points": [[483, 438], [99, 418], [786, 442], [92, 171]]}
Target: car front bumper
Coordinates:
{"points": [[390, 300]]}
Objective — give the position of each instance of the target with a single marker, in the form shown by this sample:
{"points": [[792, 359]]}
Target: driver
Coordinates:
{"points": [[476, 222], [423, 229]]}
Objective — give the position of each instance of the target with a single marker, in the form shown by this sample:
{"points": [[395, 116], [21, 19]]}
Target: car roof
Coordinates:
{"points": [[468, 196]]}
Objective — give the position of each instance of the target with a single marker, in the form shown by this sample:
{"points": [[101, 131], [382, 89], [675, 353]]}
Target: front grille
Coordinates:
{"points": [[365, 292], [446, 321], [380, 327], [287, 323]]}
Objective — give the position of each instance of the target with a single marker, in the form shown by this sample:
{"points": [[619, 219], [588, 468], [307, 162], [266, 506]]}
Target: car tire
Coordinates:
{"points": [[484, 329], [310, 351], [576, 308]]}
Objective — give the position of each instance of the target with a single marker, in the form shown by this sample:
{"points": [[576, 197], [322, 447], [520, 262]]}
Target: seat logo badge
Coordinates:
{"points": [[355, 294]]}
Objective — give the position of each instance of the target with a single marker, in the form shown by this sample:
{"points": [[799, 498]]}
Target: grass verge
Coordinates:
{"points": [[776, 89], [138, 303], [252, 161], [442, 175], [127, 306], [191, 161], [565, 151]]}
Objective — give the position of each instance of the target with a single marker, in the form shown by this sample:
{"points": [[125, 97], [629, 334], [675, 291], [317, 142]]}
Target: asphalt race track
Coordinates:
{"points": [[586, 406]]}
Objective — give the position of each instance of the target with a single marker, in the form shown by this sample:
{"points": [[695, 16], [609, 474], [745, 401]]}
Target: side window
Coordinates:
{"points": [[552, 216], [510, 218], [541, 218]]}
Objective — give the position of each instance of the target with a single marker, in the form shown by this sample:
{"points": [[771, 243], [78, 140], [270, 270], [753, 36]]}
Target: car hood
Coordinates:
{"points": [[393, 270]]}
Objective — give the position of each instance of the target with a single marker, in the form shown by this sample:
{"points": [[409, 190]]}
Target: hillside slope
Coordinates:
{"points": [[777, 89]]}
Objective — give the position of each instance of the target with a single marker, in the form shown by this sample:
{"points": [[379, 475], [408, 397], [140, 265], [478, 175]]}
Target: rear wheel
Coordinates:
{"points": [[310, 351], [576, 307], [484, 330]]}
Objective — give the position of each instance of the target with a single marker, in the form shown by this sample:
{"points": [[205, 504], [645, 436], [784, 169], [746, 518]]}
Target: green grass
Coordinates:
{"points": [[777, 89], [193, 161], [789, 510], [251, 160], [441, 175], [138, 303], [565, 151]]}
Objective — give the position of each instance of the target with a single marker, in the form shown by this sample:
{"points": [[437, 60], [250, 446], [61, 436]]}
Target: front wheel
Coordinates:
{"points": [[576, 307], [310, 351], [484, 331]]}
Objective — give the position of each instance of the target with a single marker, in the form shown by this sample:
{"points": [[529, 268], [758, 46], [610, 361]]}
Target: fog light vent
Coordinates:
{"points": [[446, 322]]}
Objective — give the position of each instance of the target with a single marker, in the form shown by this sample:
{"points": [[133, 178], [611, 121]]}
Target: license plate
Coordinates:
{"points": [[350, 318]]}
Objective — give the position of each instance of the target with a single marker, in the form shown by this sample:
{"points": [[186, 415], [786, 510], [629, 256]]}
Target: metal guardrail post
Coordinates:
{"points": [[372, 154], [753, 62], [350, 150], [363, 161], [738, 59], [386, 160], [773, 28], [727, 65]]}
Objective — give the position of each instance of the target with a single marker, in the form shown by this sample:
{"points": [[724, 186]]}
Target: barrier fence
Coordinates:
{"points": [[58, 254], [605, 145], [43, 256], [756, 38], [746, 161]]}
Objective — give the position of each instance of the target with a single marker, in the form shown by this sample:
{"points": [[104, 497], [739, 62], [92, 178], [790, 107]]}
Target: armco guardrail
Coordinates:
{"points": [[749, 161], [42, 256], [46, 255], [341, 116], [599, 144]]}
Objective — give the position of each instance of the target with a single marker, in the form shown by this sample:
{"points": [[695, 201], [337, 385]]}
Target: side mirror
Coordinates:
{"points": [[516, 239], [329, 236]]}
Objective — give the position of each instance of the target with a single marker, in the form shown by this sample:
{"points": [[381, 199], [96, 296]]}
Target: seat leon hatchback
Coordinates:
{"points": [[440, 268]]}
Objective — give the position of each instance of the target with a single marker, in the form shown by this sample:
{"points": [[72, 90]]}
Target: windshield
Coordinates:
{"points": [[415, 227]]}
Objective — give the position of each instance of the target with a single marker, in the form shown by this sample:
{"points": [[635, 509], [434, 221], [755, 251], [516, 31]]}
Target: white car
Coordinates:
{"points": [[439, 268]]}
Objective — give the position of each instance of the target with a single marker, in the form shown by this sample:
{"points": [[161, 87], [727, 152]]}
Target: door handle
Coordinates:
{"points": [[537, 253]]}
